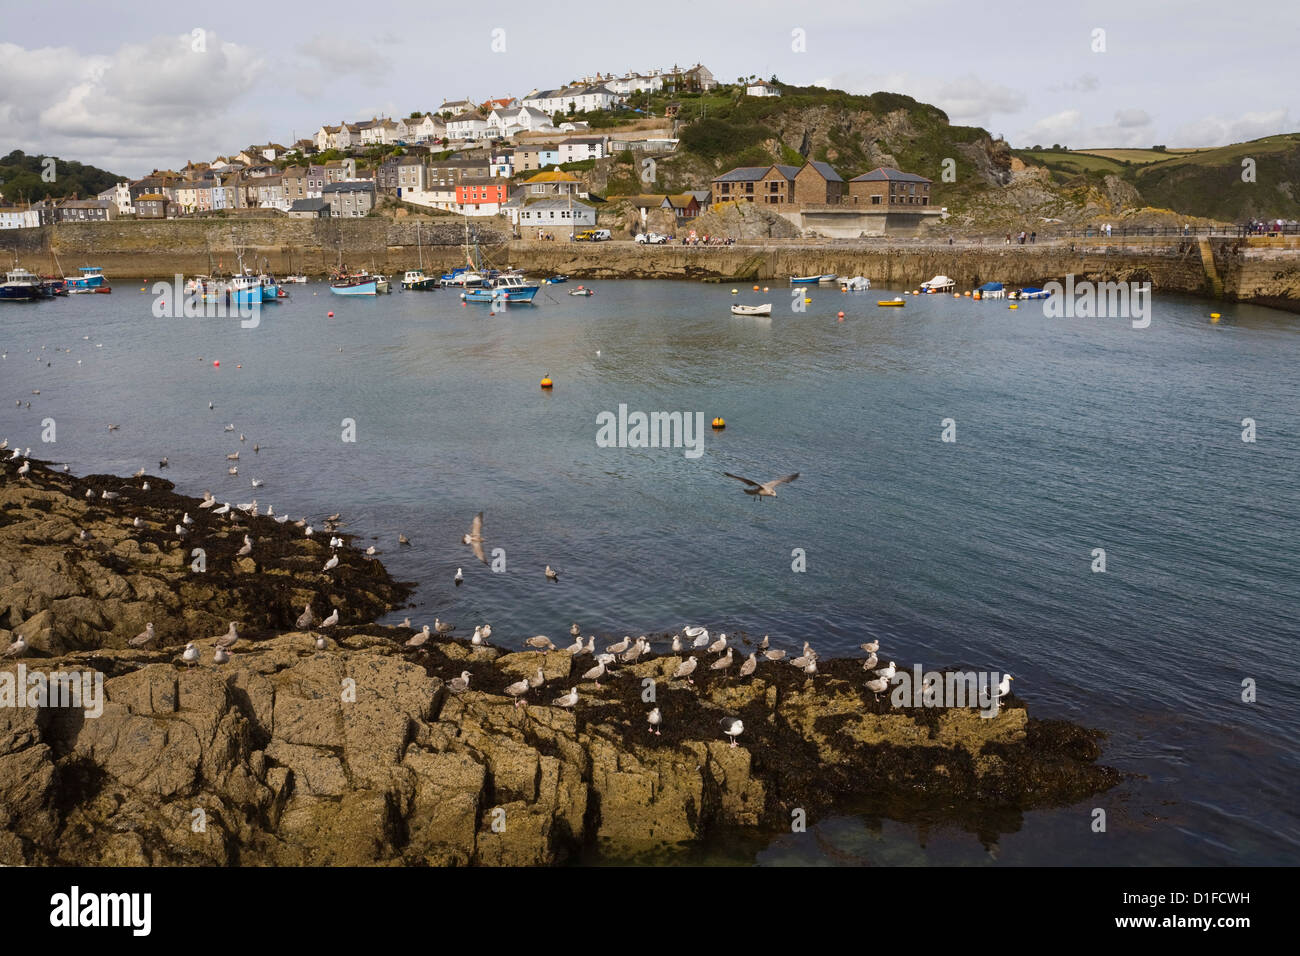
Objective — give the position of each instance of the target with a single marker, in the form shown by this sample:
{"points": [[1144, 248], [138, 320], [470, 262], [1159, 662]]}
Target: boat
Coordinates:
{"points": [[270, 291], [989, 290], [580, 290], [939, 284], [813, 280], [52, 286], [416, 279], [856, 284], [507, 287], [295, 279], [21, 286], [765, 309], [1030, 293], [360, 284], [381, 284], [245, 289], [897, 302], [90, 279], [556, 280]]}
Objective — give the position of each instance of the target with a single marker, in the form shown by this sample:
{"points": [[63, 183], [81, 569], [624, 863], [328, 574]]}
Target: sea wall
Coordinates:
{"points": [[1233, 269]]}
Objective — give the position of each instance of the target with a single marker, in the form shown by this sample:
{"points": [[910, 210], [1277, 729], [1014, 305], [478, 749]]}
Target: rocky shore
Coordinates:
{"points": [[366, 752]]}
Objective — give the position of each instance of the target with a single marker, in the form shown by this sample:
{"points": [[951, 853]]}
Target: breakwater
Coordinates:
{"points": [[1229, 268]]}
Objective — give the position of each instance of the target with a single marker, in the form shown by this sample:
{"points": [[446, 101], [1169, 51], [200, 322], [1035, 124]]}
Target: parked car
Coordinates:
{"points": [[651, 238], [600, 235]]}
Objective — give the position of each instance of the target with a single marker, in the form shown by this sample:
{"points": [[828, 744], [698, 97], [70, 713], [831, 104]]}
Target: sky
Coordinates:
{"points": [[150, 84]]}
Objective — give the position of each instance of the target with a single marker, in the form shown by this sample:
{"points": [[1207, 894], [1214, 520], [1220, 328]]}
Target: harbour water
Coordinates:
{"points": [[1071, 435]]}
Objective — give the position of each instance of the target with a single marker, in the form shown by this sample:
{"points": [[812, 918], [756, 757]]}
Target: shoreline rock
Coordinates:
{"points": [[361, 753]]}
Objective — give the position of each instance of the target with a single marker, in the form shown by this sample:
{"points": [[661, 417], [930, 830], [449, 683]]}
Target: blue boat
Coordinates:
{"points": [[556, 280], [504, 288], [91, 278], [19, 285], [245, 290], [270, 291], [813, 280], [1030, 293]]}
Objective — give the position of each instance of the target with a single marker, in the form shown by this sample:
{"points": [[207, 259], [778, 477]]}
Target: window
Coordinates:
{"points": [[875, 200]]}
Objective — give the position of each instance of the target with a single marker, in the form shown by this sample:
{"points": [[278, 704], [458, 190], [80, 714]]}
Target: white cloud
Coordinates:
{"points": [[131, 108], [1065, 127], [1217, 131], [1084, 83], [968, 100]]}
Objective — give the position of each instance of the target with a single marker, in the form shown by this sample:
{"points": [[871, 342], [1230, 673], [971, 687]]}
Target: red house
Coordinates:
{"points": [[481, 195]]}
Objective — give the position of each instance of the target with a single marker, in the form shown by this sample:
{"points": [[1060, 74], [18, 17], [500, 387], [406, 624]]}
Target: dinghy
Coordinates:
{"points": [[752, 309]]}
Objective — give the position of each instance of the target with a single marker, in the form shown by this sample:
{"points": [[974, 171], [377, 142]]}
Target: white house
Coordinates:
{"points": [[584, 98], [550, 214], [636, 83], [433, 196], [18, 217], [425, 128], [762, 88], [120, 196], [577, 148], [471, 125], [456, 107]]}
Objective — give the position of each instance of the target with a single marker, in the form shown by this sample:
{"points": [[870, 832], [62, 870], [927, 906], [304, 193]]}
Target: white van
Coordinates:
{"points": [[600, 235]]}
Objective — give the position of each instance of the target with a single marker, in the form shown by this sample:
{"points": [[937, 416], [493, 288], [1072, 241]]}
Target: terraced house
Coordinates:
{"points": [[888, 187]]}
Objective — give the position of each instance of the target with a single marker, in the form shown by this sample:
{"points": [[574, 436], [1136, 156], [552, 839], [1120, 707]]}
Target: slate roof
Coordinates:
{"points": [[889, 174]]}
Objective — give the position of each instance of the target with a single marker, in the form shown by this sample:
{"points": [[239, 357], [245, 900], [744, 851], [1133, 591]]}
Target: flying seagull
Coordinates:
{"points": [[763, 490], [475, 537]]}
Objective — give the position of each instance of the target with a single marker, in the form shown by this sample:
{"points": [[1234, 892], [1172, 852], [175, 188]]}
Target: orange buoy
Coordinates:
{"points": [[755, 288], [546, 382], [719, 423], [330, 315], [841, 315], [239, 366], [216, 364]]}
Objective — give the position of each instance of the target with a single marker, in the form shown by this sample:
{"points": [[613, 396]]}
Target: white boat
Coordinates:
{"points": [[381, 284], [295, 279], [939, 284], [856, 284], [752, 309], [828, 277]]}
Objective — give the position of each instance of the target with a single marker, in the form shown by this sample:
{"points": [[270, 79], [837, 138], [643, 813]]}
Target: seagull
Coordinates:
{"points": [[256, 448], [186, 519], [596, 673], [443, 627], [419, 639], [803, 660], [686, 668], [551, 574], [576, 647], [230, 637], [733, 727], [568, 700], [24, 469], [241, 437], [694, 632], [224, 509], [474, 537], [220, 655], [887, 672], [230, 428], [774, 655], [246, 549], [765, 490], [320, 642], [281, 519], [163, 463], [808, 651], [762, 645], [109, 495], [1004, 687], [16, 649], [332, 563], [655, 719], [191, 655], [541, 642], [701, 640], [232, 470], [211, 406], [458, 685], [538, 679], [139, 474], [870, 647], [722, 663], [620, 647], [258, 482], [305, 619], [635, 651], [487, 631], [114, 428], [574, 629], [233, 456], [403, 539], [878, 686], [870, 662], [331, 620], [145, 486], [811, 667], [718, 646], [751, 662], [677, 644], [517, 690], [208, 501], [181, 532], [589, 647], [370, 551], [477, 639], [459, 578], [137, 523], [144, 638]]}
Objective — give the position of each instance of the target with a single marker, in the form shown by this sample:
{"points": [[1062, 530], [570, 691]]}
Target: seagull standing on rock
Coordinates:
{"points": [[331, 620], [443, 627], [733, 727], [575, 648], [458, 685], [332, 563], [722, 663], [686, 668], [655, 718], [568, 700], [878, 686], [541, 642], [419, 639], [18, 648], [596, 673], [751, 662], [517, 690], [306, 618], [230, 637], [887, 672], [718, 646], [145, 638], [220, 655], [191, 655], [620, 647]]}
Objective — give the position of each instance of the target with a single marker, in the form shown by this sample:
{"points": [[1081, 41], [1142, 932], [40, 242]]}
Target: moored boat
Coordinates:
{"points": [[296, 279], [361, 284], [270, 290], [21, 286], [89, 279], [556, 280], [507, 287], [765, 309], [1030, 292], [245, 290], [856, 284], [417, 280], [938, 284], [813, 280], [580, 290], [898, 302]]}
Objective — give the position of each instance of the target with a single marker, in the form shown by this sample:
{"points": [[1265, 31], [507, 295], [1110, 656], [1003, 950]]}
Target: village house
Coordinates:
{"points": [[761, 88], [577, 148], [503, 103], [818, 183], [120, 196], [529, 157], [503, 162], [888, 187], [309, 209], [551, 214], [294, 180], [153, 206], [449, 172], [813, 183], [553, 182], [425, 128], [572, 99], [340, 170], [467, 126], [631, 83], [19, 217], [480, 196], [455, 107], [349, 200], [85, 210]]}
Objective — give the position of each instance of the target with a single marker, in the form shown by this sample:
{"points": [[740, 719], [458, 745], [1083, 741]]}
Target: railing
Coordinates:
{"points": [[1191, 232]]}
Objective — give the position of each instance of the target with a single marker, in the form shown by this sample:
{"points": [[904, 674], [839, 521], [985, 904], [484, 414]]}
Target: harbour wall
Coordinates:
{"points": [[1229, 268]]}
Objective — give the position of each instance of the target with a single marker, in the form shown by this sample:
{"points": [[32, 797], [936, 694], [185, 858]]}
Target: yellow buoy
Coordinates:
{"points": [[735, 292], [546, 382], [719, 423], [965, 293], [807, 301], [1013, 306], [1214, 317], [956, 296]]}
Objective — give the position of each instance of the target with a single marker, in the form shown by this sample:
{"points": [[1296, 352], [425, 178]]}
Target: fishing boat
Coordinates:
{"points": [[89, 279], [897, 303], [381, 284], [556, 280], [417, 280], [813, 280], [856, 284], [245, 289], [271, 292], [507, 287], [360, 284], [938, 284], [21, 286], [296, 279], [580, 290], [765, 309]]}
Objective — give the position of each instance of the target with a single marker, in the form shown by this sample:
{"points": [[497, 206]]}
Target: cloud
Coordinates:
{"points": [[345, 56], [1129, 127], [1065, 127], [129, 108], [1084, 83], [1217, 131]]}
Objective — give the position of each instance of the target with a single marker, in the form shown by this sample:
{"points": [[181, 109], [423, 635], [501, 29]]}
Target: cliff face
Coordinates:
{"points": [[363, 752]]}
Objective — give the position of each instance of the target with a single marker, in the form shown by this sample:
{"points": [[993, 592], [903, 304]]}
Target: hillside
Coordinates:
{"points": [[21, 178]]}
